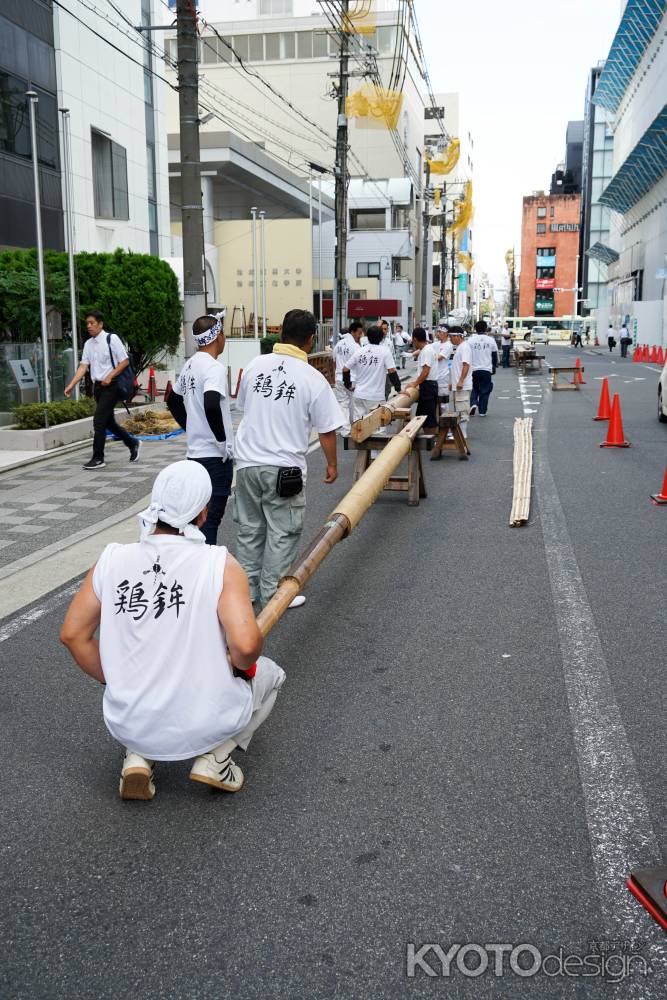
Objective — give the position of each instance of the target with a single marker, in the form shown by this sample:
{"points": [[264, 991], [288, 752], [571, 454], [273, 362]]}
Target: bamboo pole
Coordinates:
{"points": [[383, 414], [340, 523], [523, 468]]}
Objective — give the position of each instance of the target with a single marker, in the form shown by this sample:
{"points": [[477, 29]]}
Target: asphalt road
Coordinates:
{"points": [[433, 771]]}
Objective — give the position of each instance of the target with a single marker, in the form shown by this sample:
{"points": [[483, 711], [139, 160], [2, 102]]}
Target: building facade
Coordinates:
{"points": [[549, 255], [28, 62], [597, 166], [632, 91]]}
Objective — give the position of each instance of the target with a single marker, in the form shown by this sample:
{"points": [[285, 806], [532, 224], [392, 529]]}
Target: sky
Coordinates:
{"points": [[521, 68]]}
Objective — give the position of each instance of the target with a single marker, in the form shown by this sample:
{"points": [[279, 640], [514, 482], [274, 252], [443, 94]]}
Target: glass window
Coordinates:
{"points": [[287, 45], [209, 53], [599, 135], [320, 45], [400, 217], [148, 88], [305, 44], [256, 48], [109, 177], [541, 228], [150, 167], [272, 46], [598, 164], [386, 39], [368, 270], [47, 129], [542, 212], [597, 187], [552, 211], [400, 268], [608, 162], [267, 8], [596, 217], [241, 46], [14, 121], [367, 218]]}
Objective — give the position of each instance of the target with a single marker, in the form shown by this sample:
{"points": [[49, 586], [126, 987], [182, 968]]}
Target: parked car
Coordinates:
{"points": [[662, 395], [538, 335]]}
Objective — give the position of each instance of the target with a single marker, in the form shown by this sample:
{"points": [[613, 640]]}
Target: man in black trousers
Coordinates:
{"points": [[105, 356]]}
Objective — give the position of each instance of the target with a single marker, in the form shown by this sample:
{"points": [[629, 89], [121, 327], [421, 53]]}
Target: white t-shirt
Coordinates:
{"points": [[482, 348], [283, 398], [506, 339], [342, 353], [96, 354], [201, 374], [623, 332], [170, 691], [462, 354], [428, 355], [444, 350], [368, 370]]}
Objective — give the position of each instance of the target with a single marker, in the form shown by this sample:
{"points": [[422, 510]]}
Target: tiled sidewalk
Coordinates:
{"points": [[46, 502]]}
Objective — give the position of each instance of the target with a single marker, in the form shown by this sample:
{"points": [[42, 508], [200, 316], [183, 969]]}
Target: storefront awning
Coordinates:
{"points": [[638, 25], [643, 168], [602, 253]]}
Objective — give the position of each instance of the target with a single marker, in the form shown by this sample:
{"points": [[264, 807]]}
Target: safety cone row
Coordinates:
{"points": [[604, 407], [615, 435]]}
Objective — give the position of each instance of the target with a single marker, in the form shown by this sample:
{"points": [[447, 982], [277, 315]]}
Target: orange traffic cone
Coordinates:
{"points": [[645, 353], [661, 356], [615, 436], [604, 409], [637, 354], [168, 391], [577, 378], [660, 499], [151, 384], [653, 358]]}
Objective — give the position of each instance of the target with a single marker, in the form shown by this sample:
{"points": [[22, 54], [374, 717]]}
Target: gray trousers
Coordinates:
{"points": [[265, 685], [268, 529]]}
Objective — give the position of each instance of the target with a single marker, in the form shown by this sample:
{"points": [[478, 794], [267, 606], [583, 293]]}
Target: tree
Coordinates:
{"points": [[19, 290]]}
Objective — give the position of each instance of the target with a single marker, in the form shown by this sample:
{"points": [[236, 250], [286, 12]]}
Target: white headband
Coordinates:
{"points": [[180, 493], [208, 336]]}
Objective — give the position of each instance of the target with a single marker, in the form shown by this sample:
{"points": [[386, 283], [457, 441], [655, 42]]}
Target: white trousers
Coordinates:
{"points": [[360, 407], [267, 682], [344, 400]]}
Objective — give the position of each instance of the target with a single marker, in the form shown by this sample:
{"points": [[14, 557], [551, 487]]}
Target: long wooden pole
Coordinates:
{"points": [[383, 414], [340, 523]]}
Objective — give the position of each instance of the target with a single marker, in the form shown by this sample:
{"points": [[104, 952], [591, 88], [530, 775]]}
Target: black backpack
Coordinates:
{"points": [[124, 381]]}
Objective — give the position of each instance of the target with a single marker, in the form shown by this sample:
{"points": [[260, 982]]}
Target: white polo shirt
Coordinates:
{"points": [[282, 398], [342, 353], [428, 355], [95, 354], [201, 374], [462, 354], [482, 348], [368, 370], [170, 691]]}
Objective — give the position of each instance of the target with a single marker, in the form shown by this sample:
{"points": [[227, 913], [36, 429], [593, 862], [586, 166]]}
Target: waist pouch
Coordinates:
{"points": [[289, 482]]}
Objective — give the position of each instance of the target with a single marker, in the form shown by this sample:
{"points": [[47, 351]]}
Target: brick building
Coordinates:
{"points": [[549, 250]]}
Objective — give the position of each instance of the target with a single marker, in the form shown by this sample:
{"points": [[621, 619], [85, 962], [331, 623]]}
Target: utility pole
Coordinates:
{"points": [[453, 268], [192, 216], [443, 249], [340, 170], [426, 225]]}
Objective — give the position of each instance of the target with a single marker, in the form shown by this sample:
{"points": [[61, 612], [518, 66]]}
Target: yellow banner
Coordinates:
{"points": [[464, 210], [360, 18], [374, 106], [465, 260], [445, 162]]}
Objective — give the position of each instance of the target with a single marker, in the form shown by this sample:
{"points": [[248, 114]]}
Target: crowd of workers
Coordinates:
{"points": [[179, 646]]}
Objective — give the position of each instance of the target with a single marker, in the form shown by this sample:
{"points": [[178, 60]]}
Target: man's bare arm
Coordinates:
{"points": [[78, 629], [235, 611]]}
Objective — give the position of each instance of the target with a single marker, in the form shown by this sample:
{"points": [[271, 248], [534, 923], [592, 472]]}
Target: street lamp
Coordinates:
{"points": [[32, 101], [69, 227]]}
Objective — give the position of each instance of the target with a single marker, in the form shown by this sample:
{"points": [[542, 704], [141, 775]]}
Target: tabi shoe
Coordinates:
{"points": [[136, 778], [223, 774], [134, 451], [298, 601], [95, 463]]}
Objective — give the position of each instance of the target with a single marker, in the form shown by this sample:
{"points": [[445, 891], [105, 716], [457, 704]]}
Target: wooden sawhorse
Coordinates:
{"points": [[450, 422], [413, 484], [574, 384]]}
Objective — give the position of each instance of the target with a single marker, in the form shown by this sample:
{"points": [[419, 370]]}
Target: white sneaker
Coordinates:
{"points": [[298, 601], [136, 778], [473, 409], [223, 774]]}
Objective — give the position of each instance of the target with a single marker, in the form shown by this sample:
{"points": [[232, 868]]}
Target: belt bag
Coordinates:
{"points": [[289, 482]]}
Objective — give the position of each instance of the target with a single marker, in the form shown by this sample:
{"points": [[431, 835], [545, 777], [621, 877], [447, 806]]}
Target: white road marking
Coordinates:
{"points": [[28, 617], [618, 819]]}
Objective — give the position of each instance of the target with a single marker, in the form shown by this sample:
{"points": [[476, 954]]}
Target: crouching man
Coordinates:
{"points": [[178, 642]]}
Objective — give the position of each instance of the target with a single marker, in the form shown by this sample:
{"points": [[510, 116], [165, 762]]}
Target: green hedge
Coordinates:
{"points": [[266, 344], [30, 416]]}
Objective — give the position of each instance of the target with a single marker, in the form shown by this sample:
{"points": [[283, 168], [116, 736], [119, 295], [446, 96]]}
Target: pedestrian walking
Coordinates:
{"points": [[427, 379], [106, 358], [625, 339], [199, 403], [506, 345], [577, 338], [484, 351], [283, 398], [611, 340], [366, 372], [461, 377], [347, 344], [178, 643]]}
